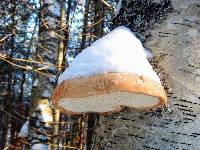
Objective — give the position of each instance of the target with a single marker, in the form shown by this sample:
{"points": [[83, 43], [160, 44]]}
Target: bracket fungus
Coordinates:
{"points": [[110, 74]]}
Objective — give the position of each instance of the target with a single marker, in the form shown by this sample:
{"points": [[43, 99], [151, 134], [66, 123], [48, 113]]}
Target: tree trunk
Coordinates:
{"points": [[67, 30], [40, 129], [60, 58], [171, 30], [98, 18], [61, 46], [85, 25]]}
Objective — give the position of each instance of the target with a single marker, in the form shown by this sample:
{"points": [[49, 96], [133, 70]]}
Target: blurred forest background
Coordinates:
{"points": [[37, 41]]}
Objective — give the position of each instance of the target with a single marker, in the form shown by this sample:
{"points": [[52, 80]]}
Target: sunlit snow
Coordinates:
{"points": [[118, 51], [39, 147]]}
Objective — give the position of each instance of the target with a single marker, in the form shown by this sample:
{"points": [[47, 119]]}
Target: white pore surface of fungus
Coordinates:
{"points": [[118, 51], [108, 102]]}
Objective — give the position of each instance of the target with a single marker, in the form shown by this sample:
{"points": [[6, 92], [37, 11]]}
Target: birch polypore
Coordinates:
{"points": [[110, 74]]}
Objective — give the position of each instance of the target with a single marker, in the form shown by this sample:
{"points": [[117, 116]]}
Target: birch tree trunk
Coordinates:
{"points": [[171, 30], [42, 114], [60, 58]]}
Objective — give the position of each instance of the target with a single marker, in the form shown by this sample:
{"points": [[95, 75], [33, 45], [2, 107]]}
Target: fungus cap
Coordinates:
{"points": [[110, 74], [107, 93]]}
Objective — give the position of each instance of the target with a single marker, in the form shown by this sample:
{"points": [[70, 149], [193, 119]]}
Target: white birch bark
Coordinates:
{"points": [[176, 47], [42, 114]]}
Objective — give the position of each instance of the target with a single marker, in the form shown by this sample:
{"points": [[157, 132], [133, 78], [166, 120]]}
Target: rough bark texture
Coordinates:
{"points": [[40, 134], [174, 40]]}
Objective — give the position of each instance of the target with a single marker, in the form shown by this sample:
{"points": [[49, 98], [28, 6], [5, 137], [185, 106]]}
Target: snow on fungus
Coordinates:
{"points": [[110, 74]]}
